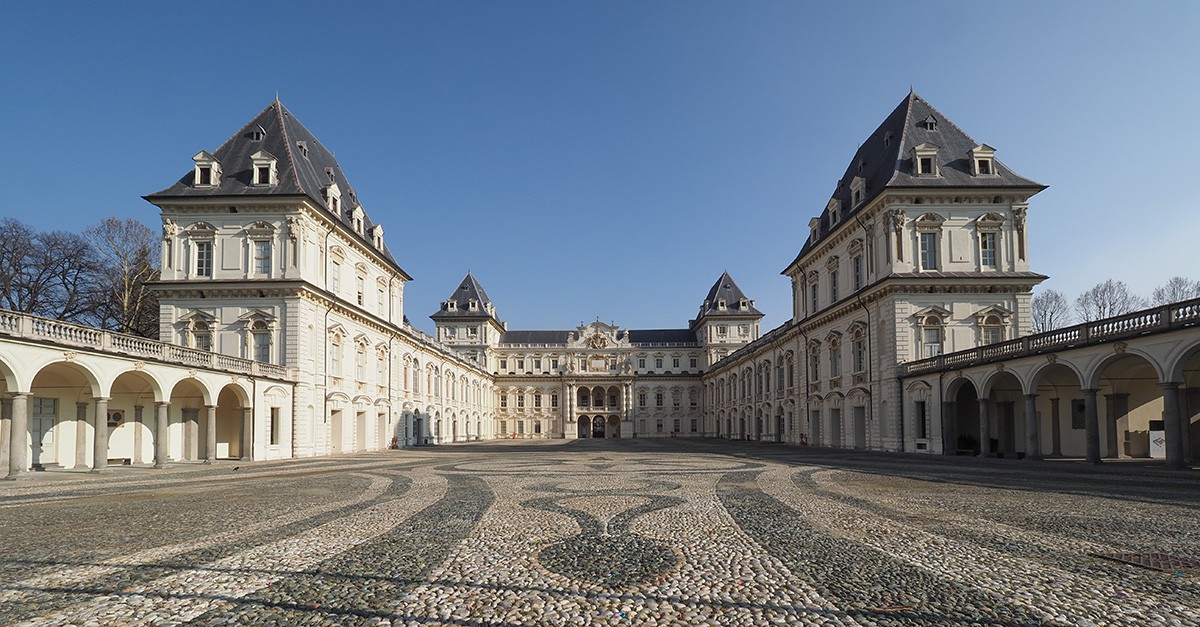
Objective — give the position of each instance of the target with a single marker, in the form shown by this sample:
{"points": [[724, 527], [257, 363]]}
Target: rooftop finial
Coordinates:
{"points": [[276, 96]]}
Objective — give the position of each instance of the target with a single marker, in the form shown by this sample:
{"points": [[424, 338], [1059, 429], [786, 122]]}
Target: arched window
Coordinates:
{"points": [[993, 330], [931, 336]]}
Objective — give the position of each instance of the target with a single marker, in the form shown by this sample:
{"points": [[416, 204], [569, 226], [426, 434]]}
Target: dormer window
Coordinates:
{"points": [[329, 175], [357, 219], [743, 305], [208, 170], [858, 190], [473, 305], [925, 159], [264, 171], [377, 236], [721, 304], [930, 123], [835, 210], [814, 228], [333, 198], [302, 147], [887, 139], [258, 133], [982, 158], [451, 305]]}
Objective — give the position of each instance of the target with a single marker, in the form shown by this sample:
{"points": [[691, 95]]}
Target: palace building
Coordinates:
{"points": [[283, 333]]}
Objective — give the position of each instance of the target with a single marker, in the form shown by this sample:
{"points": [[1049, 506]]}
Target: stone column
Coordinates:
{"points": [[138, 423], [985, 429], [1033, 429], [18, 448], [81, 435], [949, 428], [248, 433], [160, 435], [210, 433], [5, 430], [1173, 426], [100, 437], [1092, 420], [1056, 429]]}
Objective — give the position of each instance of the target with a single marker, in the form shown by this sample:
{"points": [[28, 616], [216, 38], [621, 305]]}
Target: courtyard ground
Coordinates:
{"points": [[603, 532]]}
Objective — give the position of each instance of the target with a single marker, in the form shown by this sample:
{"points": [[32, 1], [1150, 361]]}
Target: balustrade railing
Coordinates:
{"points": [[1154, 320], [61, 333]]}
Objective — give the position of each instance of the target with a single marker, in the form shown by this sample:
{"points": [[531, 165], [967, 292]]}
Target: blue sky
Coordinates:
{"points": [[610, 159]]}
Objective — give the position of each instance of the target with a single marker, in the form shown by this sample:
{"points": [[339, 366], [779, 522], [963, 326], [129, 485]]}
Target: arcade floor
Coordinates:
{"points": [[605, 532]]}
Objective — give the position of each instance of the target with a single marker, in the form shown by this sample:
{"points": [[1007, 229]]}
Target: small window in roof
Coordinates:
{"points": [[303, 148], [930, 123], [329, 173], [257, 134], [887, 139]]}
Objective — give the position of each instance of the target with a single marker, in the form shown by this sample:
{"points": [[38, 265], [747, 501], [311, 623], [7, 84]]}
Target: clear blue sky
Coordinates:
{"points": [[610, 159]]}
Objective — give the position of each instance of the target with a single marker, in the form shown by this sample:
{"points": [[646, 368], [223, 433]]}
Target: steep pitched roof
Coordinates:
{"points": [[885, 161], [726, 289], [468, 290], [650, 336], [305, 168], [535, 337]]}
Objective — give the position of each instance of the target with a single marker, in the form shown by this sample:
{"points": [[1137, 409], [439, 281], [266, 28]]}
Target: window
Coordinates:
{"points": [[641, 399], [504, 401], [360, 287], [743, 329], [675, 425], [503, 364], [857, 264], [208, 170], [929, 257], [335, 276], [537, 365], [335, 358], [520, 400], [520, 365], [472, 332], [860, 352], [925, 165], [675, 362], [931, 337], [833, 285], [554, 364], [537, 400], [503, 427], [204, 258], [835, 360], [658, 399], [360, 364], [813, 290], [451, 332], [202, 336], [379, 300], [695, 425], [676, 399], [658, 362], [722, 330], [381, 369], [814, 363], [204, 176], [721, 304], [692, 362], [983, 166], [922, 421], [554, 401], [274, 426], [262, 256], [658, 426], [642, 363], [262, 346], [987, 249], [993, 330]]}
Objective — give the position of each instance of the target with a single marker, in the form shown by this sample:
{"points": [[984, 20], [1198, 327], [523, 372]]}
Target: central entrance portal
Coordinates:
{"points": [[598, 426]]}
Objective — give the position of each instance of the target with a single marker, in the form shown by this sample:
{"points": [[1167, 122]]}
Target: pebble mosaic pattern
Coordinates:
{"points": [[608, 532]]}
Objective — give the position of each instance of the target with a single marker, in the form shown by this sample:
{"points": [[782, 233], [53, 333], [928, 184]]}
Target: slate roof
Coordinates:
{"points": [[885, 161], [469, 289], [304, 165], [727, 289], [534, 337], [647, 336]]}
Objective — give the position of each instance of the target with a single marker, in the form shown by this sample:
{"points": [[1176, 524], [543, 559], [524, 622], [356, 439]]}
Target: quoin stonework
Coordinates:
{"points": [[283, 333]]}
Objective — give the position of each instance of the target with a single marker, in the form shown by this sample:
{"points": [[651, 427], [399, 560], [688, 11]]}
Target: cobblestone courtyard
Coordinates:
{"points": [[616, 532]]}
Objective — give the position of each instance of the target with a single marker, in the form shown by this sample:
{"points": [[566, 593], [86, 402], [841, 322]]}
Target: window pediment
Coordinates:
{"points": [[929, 222], [932, 314], [998, 315], [202, 231], [989, 222]]}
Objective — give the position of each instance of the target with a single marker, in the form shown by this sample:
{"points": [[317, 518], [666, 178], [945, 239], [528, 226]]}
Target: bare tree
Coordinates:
{"points": [[1175, 290], [1050, 311], [47, 274], [1107, 299], [127, 251]]}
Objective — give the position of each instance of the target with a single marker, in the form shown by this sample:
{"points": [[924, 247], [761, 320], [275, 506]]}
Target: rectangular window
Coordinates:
{"points": [[642, 363], [274, 426], [641, 399], [658, 399], [695, 425], [833, 286], [360, 365], [503, 401], [987, 249], [520, 365], [835, 361], [503, 364], [984, 166], [926, 165], [204, 258], [692, 362], [554, 364], [554, 401], [335, 277], [503, 427], [521, 400], [991, 335], [675, 362], [722, 331], [520, 427], [744, 329], [537, 365], [860, 355], [379, 300], [922, 421], [537, 400], [360, 287], [202, 341], [264, 175], [262, 347], [658, 426], [206, 175], [932, 339], [262, 257], [858, 272], [451, 332], [929, 257], [335, 359], [675, 425], [658, 362], [813, 290]]}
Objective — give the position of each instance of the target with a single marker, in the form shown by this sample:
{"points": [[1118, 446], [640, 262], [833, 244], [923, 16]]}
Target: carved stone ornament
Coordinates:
{"points": [[233, 379], [597, 341], [294, 226], [169, 228], [192, 373], [999, 367], [1019, 216], [1120, 347], [898, 220], [1052, 357], [69, 355], [139, 365]]}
